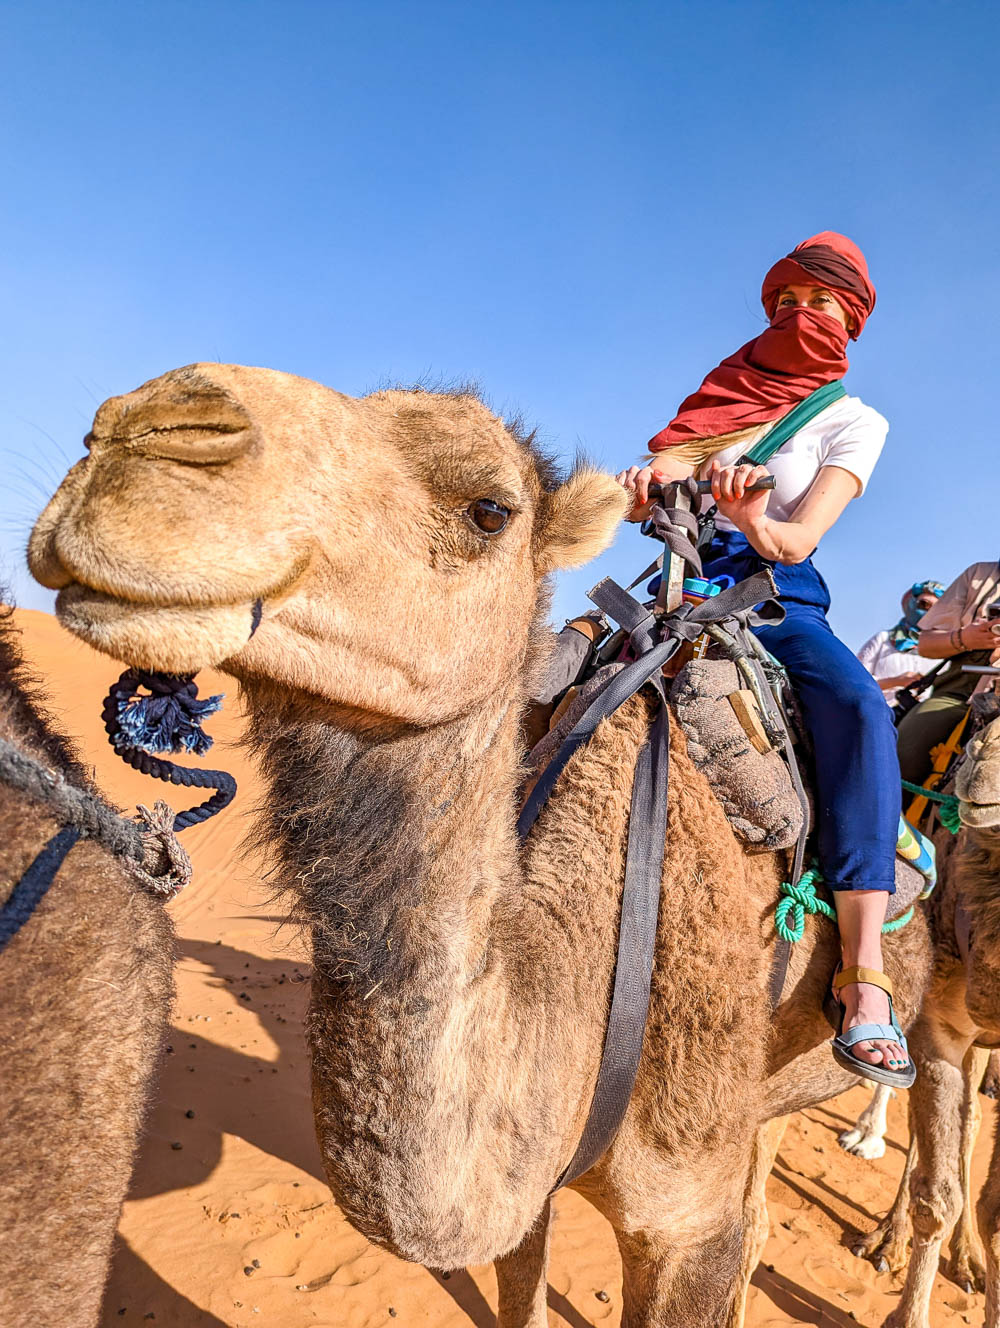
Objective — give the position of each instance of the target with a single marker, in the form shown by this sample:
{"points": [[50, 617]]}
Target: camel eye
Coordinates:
{"points": [[489, 516]]}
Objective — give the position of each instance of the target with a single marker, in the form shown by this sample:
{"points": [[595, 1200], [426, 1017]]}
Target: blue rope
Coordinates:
{"points": [[168, 719], [31, 888]]}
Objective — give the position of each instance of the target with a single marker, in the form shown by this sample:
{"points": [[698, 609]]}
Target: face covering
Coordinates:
{"points": [[904, 634], [800, 351]]}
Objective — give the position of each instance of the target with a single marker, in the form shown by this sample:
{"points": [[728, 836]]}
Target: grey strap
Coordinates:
{"points": [[647, 829], [619, 689], [627, 611]]}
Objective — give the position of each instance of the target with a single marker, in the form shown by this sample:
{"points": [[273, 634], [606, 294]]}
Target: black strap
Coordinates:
{"points": [[647, 829], [31, 888], [627, 611], [646, 839], [616, 693]]}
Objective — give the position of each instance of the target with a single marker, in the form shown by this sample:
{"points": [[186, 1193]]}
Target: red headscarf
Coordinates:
{"points": [[800, 351]]}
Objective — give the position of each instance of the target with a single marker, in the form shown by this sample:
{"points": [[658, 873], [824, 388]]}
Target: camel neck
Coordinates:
{"points": [[395, 847], [459, 997]]}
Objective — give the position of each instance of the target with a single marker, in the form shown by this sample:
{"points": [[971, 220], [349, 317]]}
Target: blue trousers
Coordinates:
{"points": [[856, 775]]}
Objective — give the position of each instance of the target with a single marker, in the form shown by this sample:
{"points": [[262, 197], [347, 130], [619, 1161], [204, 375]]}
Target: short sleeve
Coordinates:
{"points": [[858, 445]]}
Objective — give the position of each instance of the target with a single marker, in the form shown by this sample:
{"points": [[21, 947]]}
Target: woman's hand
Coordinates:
{"points": [[899, 680], [636, 481], [729, 489]]}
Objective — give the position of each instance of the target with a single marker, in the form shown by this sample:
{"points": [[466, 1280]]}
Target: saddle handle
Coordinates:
{"points": [[705, 486]]}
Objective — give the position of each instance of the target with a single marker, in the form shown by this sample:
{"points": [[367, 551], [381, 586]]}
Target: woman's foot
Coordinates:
{"points": [[865, 1003]]}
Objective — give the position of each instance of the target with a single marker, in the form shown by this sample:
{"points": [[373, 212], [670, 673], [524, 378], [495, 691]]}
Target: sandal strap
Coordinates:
{"points": [[857, 974], [871, 1033]]}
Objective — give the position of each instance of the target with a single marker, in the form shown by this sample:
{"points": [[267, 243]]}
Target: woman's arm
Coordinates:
{"points": [[782, 541]]}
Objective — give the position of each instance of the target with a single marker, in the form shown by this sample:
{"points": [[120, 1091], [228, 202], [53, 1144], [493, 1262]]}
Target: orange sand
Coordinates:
{"points": [[229, 1221]]}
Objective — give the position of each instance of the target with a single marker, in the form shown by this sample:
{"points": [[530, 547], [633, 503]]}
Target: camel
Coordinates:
{"points": [[86, 998], [959, 1021], [395, 550]]}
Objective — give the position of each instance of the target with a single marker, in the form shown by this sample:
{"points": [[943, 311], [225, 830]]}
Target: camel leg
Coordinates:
{"points": [[886, 1246], [965, 1255], [867, 1137], [756, 1227], [936, 1190], [669, 1284], [988, 1212], [522, 1278]]}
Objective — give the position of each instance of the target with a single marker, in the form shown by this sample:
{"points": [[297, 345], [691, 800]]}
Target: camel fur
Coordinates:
{"points": [[86, 997], [461, 982]]}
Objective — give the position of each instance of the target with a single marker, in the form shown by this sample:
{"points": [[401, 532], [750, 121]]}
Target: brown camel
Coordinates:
{"points": [[396, 548], [86, 995], [959, 1019]]}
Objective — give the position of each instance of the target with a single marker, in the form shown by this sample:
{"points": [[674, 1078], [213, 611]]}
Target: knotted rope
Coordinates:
{"points": [[166, 719], [800, 899], [147, 845], [948, 803]]}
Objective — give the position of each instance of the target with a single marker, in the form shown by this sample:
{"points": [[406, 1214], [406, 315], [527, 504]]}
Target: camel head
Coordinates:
{"points": [[977, 781], [393, 547]]}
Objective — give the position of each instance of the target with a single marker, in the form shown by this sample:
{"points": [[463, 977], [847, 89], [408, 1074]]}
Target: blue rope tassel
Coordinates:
{"points": [[168, 719]]}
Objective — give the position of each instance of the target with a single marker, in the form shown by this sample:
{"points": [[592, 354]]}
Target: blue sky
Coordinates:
{"points": [[573, 203]]}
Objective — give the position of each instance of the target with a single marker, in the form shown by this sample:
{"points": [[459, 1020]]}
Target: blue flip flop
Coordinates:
{"points": [[891, 1032]]}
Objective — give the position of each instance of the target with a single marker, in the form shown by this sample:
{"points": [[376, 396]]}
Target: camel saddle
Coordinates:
{"points": [[728, 742]]}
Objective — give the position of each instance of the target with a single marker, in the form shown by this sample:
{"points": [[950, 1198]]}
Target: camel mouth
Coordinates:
{"points": [[979, 815], [167, 637]]}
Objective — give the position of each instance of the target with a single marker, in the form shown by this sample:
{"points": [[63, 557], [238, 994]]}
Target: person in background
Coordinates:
{"points": [[963, 627], [892, 657]]}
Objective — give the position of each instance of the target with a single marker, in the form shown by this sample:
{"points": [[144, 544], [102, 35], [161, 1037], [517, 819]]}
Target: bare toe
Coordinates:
{"points": [[867, 1052]]}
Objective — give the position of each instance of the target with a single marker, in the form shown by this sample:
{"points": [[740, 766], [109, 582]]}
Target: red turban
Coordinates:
{"points": [[800, 351]]}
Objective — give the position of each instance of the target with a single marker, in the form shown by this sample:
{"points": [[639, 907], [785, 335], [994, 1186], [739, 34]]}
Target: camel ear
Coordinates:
{"points": [[579, 519]]}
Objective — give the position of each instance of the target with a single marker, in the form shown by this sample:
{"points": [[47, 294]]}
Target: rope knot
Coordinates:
{"points": [[165, 868], [168, 719], [798, 900]]}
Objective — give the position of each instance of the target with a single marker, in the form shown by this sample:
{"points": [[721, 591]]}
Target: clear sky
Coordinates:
{"points": [[573, 203]]}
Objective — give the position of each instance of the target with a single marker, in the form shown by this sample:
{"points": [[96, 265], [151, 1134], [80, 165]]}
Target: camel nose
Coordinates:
{"points": [[200, 425]]}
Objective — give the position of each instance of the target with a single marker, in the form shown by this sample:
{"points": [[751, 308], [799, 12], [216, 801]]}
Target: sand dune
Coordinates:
{"points": [[229, 1221]]}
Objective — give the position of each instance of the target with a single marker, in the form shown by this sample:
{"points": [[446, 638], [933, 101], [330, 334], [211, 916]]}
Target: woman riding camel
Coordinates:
{"points": [[816, 298]]}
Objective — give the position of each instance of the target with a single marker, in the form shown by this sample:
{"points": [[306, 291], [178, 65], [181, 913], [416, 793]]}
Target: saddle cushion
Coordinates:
{"points": [[753, 787]]}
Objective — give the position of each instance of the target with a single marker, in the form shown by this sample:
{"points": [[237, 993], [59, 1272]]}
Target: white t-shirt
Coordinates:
{"points": [[847, 434], [882, 660]]}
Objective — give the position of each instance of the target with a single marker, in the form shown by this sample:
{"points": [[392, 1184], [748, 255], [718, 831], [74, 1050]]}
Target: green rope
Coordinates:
{"points": [[949, 814], [798, 900], [896, 923]]}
